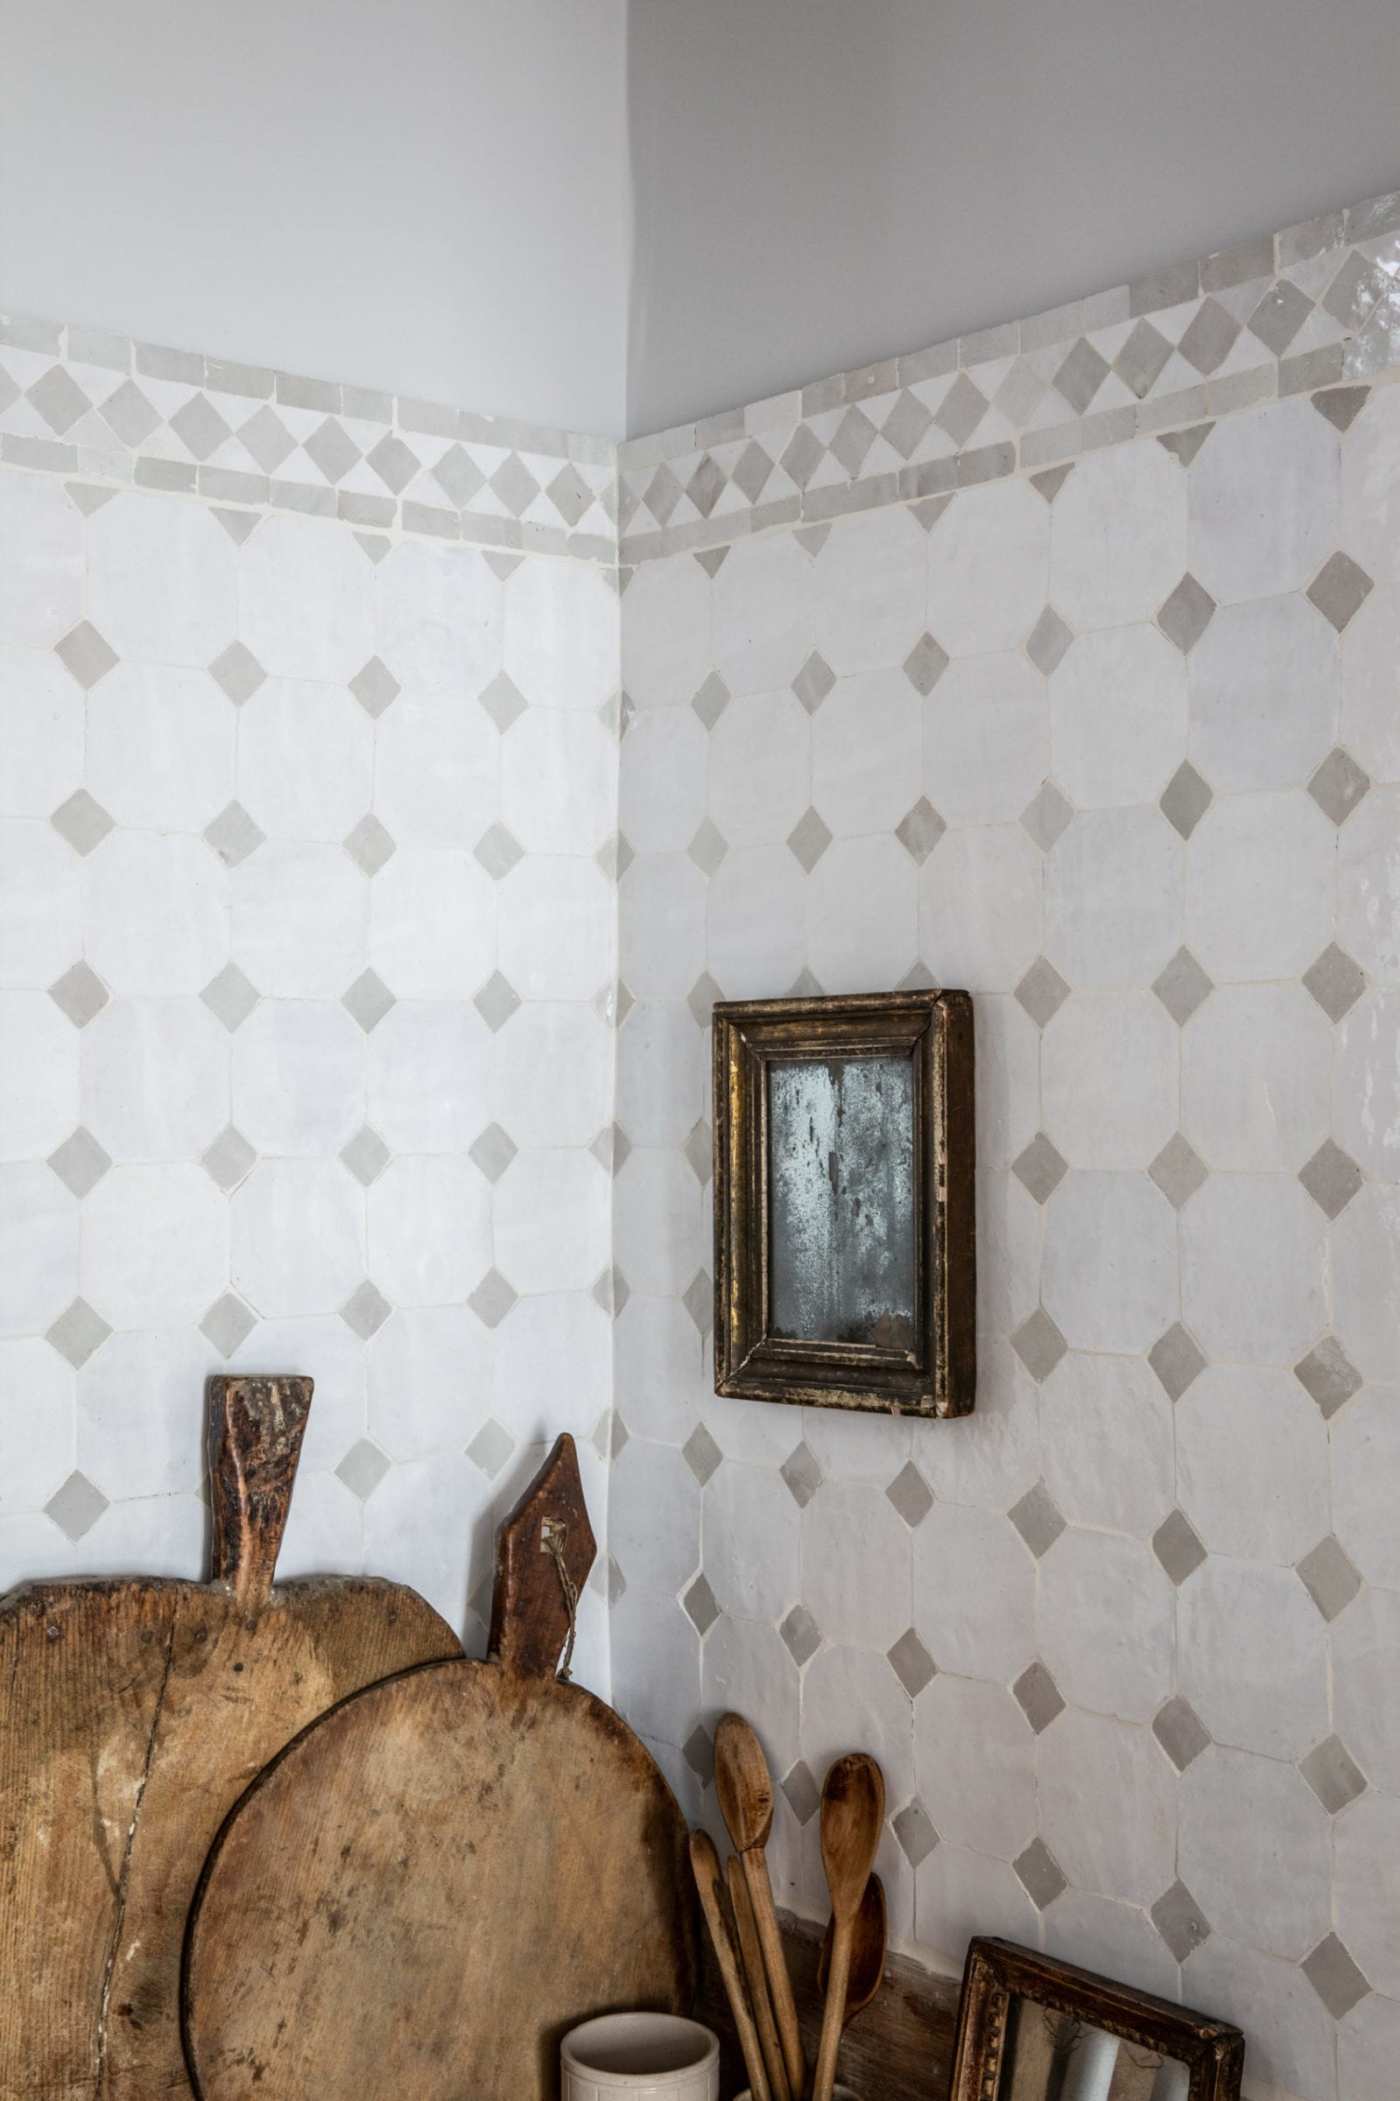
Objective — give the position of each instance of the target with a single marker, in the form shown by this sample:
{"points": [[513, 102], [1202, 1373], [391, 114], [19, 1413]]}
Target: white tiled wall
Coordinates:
{"points": [[308, 962], [1116, 750]]}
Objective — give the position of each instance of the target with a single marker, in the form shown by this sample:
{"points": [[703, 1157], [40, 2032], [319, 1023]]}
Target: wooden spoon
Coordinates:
{"points": [[867, 1952], [751, 1954], [852, 1820], [704, 1861], [745, 1794]]}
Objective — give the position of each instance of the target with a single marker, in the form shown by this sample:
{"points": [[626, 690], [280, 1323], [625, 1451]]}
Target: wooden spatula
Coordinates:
{"points": [[745, 1793], [867, 1952], [704, 1861], [852, 1819]]}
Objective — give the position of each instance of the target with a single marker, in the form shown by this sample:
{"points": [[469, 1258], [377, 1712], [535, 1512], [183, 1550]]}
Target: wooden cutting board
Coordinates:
{"points": [[136, 1714], [436, 1881]]}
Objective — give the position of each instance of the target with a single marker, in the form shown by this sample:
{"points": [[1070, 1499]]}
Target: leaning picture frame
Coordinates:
{"points": [[844, 1208]]}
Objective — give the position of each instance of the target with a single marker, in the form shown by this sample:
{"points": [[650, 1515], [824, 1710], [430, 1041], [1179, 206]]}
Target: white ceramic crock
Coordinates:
{"points": [[642, 2057]]}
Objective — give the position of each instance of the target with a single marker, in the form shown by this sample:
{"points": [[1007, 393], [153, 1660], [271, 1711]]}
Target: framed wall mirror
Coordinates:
{"points": [[1033, 2029], [845, 1261]]}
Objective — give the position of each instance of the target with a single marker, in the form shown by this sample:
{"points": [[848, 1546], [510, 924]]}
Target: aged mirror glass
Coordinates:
{"points": [[1054, 2056]]}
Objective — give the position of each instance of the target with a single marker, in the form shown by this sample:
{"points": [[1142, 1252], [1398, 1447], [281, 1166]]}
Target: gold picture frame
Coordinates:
{"points": [[844, 1157]]}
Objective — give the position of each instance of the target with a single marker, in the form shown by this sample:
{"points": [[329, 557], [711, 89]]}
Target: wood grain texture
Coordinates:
{"points": [[438, 1879], [137, 1711]]}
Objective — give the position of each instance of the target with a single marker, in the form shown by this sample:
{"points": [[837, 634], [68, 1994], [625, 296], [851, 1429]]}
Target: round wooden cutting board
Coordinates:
{"points": [[441, 1876]]}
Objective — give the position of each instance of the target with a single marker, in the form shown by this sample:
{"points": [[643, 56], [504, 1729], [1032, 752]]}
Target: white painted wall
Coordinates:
{"points": [[821, 183], [423, 195]]}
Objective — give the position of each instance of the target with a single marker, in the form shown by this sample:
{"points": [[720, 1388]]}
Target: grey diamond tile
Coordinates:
{"points": [[801, 1635], [233, 835], [711, 559], [1183, 445], [1338, 785], [230, 997], [1326, 1374], [711, 700], [1333, 1774], [1177, 1360], [698, 1298], [498, 851], [1279, 316], [1037, 1519], [613, 1581], [1181, 986], [925, 664], [493, 1150], [365, 1155], [1038, 1696], [1139, 363], [906, 425], [363, 1468], [1081, 375], [393, 463], [702, 997], [701, 1454], [80, 1162], [77, 1332], [81, 821], [238, 672], [1046, 816], [961, 410], [919, 830], [199, 427], [1185, 616], [503, 701], [130, 415], [1177, 1548], [366, 1310], [493, 1298], [1335, 1977], [1180, 1920], [569, 493], [913, 1827], [1039, 1169], [1051, 480], [910, 1495], [805, 986], [76, 1507], [708, 848], [1042, 991], [1210, 338], [803, 1794], [615, 856], [802, 1474], [706, 485], [853, 438], [610, 1148], [1047, 641], [1040, 1875], [753, 470], [813, 682], [701, 1606], [1341, 405], [515, 485], [1335, 982], [1353, 292], [266, 439], [809, 839], [1329, 1577], [614, 1003], [375, 687], [1339, 589], [1177, 1171], [368, 1000], [698, 1751], [662, 494], [496, 1001], [1039, 1344], [699, 1152], [1179, 1730], [911, 1663], [59, 399], [1331, 1178], [370, 845], [611, 1291], [491, 1448], [802, 455], [228, 1160], [228, 1323], [79, 994], [1185, 799], [459, 477]]}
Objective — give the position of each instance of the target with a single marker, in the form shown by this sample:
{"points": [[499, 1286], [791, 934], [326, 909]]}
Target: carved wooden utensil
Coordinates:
{"points": [[745, 1793], [439, 1878], [136, 1713], [852, 1819], [868, 1943], [704, 1860], [751, 1955]]}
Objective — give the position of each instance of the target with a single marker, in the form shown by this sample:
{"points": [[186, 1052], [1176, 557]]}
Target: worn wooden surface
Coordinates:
{"points": [[901, 2048], [136, 1712], [437, 1880]]}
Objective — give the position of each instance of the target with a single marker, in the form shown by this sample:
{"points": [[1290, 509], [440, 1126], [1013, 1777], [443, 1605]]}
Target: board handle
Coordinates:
{"points": [[255, 1430], [544, 1551]]}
